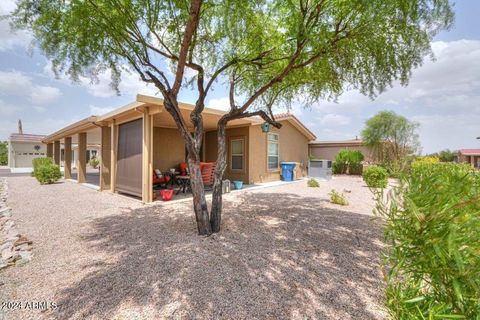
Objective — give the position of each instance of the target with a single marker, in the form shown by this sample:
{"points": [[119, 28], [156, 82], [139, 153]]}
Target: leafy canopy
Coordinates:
{"points": [[309, 49], [391, 136]]}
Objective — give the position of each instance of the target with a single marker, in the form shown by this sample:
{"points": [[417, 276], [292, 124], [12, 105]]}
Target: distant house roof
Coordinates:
{"points": [[352, 142], [25, 137], [469, 152]]}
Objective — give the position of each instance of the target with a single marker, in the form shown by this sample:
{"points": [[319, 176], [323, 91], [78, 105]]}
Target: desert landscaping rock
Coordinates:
{"points": [[284, 252], [15, 248]]}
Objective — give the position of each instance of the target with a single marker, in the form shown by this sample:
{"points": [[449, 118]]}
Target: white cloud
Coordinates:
{"points": [[334, 120], [15, 83], [44, 94], [219, 103], [97, 111], [443, 95], [9, 39], [8, 109], [39, 109]]}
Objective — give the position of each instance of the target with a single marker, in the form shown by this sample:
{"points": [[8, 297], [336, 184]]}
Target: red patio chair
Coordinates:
{"points": [[160, 179], [207, 169]]}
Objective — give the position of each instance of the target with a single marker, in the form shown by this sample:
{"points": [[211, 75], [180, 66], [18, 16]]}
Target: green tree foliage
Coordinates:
{"points": [[445, 155], [265, 52], [431, 228], [392, 138], [3, 153], [348, 161]]}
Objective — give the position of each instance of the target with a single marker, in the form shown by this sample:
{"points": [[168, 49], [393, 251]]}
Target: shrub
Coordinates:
{"points": [[94, 162], [348, 161], [375, 177], [432, 222], [45, 171], [338, 198], [313, 183]]}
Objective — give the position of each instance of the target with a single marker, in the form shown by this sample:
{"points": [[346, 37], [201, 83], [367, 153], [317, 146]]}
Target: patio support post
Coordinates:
{"points": [[147, 166], [50, 150], [56, 152], [113, 155], [82, 157], [105, 155], [472, 161], [68, 158]]}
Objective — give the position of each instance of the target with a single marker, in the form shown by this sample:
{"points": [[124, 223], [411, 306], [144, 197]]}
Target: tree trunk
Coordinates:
{"points": [[216, 211], [199, 202]]}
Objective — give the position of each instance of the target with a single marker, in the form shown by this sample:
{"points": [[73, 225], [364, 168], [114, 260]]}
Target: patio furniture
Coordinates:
{"points": [[160, 179], [207, 169], [184, 182]]}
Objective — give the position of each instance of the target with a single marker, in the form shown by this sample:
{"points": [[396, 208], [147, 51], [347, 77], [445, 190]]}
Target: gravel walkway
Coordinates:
{"points": [[284, 253]]}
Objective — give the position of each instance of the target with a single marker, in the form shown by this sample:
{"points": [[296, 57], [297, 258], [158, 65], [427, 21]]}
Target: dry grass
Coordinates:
{"points": [[284, 253]]}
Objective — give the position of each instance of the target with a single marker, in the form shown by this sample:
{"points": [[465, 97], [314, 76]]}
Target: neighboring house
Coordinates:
{"points": [[471, 156], [328, 149], [23, 148], [141, 136]]}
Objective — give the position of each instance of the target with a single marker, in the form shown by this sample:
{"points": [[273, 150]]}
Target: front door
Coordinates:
{"points": [[129, 158]]}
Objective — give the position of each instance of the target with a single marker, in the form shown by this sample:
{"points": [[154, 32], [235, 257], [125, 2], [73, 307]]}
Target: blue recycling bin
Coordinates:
{"points": [[287, 170]]}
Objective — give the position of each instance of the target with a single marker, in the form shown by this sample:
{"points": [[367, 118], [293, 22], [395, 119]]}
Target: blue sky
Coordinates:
{"points": [[443, 95]]}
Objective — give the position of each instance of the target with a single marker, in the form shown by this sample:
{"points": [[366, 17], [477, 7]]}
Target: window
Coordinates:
{"points": [[272, 152], [236, 154]]}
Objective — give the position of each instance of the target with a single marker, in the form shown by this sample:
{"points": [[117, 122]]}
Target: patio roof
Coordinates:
{"points": [[163, 119]]}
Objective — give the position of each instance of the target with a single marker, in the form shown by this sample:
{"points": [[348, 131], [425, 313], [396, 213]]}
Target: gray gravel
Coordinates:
{"points": [[284, 252]]}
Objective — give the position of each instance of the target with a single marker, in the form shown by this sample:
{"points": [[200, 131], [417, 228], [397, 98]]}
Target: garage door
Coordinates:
{"points": [[129, 157]]}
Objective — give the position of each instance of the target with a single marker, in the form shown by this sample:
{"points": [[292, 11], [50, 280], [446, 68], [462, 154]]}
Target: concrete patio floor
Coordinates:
{"points": [[284, 252]]}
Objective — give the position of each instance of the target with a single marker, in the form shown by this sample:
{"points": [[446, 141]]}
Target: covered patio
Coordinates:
{"points": [[133, 141]]}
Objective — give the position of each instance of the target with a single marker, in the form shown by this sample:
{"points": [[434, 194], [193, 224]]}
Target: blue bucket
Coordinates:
{"points": [[238, 184]]}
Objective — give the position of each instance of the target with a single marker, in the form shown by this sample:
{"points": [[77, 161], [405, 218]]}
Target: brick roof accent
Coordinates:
{"points": [[288, 115], [34, 138]]}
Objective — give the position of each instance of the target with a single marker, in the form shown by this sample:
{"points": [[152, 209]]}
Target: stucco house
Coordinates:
{"points": [[328, 149], [23, 148], [137, 138]]}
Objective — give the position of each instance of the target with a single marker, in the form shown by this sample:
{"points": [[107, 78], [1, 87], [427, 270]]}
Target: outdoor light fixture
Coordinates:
{"points": [[265, 127]]}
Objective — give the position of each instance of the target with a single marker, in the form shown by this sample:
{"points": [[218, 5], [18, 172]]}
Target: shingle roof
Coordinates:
{"points": [[287, 115], [34, 138]]}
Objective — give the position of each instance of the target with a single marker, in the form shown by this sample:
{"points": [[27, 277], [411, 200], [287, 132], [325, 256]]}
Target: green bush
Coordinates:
{"points": [[348, 161], [338, 198], [94, 162], [45, 171], [313, 183], [432, 258], [375, 177]]}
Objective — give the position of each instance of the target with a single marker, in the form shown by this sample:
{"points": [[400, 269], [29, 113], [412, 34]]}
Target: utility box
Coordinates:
{"points": [[321, 169]]}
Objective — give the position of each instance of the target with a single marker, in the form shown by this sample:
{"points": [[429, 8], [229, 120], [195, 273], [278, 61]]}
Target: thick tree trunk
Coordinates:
{"points": [[216, 211], [199, 202]]}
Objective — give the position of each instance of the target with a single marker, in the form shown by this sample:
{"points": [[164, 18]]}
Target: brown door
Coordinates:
{"points": [[129, 157]]}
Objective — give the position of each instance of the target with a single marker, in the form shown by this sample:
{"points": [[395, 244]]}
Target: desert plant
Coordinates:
{"points": [[375, 177], [348, 161], [432, 258], [45, 171], [3, 153], [313, 183], [338, 198], [94, 162]]}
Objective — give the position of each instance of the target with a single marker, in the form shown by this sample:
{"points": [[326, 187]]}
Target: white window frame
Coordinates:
{"points": [[237, 154], [273, 155]]}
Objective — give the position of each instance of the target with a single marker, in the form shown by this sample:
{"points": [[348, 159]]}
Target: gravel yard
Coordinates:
{"points": [[284, 252]]}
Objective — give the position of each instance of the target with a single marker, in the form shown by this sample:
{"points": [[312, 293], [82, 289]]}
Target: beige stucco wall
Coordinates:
{"points": [[293, 147], [329, 152], [211, 151], [21, 154], [168, 148]]}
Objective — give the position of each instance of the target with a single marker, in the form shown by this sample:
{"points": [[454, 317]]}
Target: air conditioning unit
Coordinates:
{"points": [[320, 169]]}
